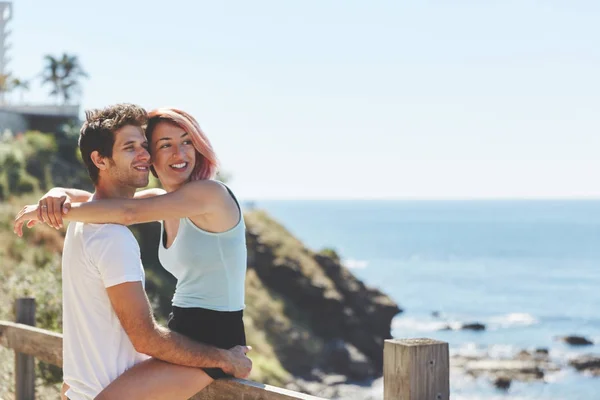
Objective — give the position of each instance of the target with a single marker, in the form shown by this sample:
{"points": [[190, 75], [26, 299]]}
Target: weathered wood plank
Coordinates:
{"points": [[415, 369], [46, 346], [25, 364], [247, 390]]}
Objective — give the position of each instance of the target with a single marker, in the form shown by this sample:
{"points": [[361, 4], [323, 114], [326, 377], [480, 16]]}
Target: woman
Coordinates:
{"points": [[202, 241]]}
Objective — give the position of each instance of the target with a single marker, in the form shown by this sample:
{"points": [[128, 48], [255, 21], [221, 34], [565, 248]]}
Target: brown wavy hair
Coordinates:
{"points": [[98, 131]]}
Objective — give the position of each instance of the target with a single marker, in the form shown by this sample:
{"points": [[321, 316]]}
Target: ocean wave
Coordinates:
{"points": [[468, 350], [422, 324], [511, 320], [557, 376], [429, 324], [494, 351], [506, 351], [491, 397], [564, 355], [355, 264], [501, 351]]}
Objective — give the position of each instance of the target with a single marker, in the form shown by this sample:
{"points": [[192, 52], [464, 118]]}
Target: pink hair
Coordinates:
{"points": [[206, 159]]}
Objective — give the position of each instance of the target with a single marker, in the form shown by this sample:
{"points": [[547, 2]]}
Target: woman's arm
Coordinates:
{"points": [[147, 193], [57, 202], [80, 196], [194, 198], [72, 193]]}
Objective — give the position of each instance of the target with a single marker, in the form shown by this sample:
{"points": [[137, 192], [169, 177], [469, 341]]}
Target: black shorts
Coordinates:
{"points": [[223, 329]]}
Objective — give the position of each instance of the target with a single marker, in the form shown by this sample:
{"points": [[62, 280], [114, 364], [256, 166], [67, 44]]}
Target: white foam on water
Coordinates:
{"points": [[490, 397], [512, 320], [428, 324], [556, 376], [494, 351], [355, 264], [563, 355], [499, 351], [469, 350], [422, 324]]}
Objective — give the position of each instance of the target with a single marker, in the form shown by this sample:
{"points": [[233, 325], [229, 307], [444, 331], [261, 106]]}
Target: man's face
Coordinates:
{"points": [[130, 161]]}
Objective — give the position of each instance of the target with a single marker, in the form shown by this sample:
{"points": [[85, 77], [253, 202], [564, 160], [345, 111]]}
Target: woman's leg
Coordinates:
{"points": [[155, 380]]}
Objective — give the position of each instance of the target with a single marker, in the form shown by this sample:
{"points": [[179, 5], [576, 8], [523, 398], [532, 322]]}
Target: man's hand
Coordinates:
{"points": [[52, 206], [28, 214], [239, 364]]}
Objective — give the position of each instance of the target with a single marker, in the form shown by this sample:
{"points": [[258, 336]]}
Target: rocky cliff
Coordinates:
{"points": [[340, 324]]}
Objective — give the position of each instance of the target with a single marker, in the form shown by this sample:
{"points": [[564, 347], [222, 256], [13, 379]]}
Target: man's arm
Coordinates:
{"points": [[133, 309]]}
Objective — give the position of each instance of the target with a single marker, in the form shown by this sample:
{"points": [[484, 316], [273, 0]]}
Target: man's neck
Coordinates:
{"points": [[112, 191]]}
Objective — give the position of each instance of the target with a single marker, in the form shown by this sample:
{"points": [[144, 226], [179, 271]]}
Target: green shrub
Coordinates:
{"points": [[331, 253], [41, 144], [4, 192], [40, 150], [49, 373], [12, 163], [26, 184]]}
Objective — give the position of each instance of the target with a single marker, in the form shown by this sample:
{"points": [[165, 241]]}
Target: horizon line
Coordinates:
{"points": [[549, 198]]}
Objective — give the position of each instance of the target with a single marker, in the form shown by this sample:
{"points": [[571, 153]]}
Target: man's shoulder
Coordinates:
{"points": [[113, 233]]}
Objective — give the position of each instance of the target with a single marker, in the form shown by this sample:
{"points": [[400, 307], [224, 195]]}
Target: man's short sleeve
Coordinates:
{"points": [[116, 254]]}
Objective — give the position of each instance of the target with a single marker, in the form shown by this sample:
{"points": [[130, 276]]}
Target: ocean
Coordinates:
{"points": [[528, 270]]}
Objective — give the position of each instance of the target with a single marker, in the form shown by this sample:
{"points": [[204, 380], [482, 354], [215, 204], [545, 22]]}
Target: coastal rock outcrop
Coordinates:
{"points": [[588, 363], [525, 366], [575, 340], [350, 319], [473, 326], [470, 326]]}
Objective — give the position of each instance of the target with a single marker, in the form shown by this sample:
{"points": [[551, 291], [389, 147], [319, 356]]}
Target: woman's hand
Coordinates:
{"points": [[28, 214], [52, 206]]}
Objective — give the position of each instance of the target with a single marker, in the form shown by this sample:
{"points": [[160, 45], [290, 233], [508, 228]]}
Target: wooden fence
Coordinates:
{"points": [[413, 369]]}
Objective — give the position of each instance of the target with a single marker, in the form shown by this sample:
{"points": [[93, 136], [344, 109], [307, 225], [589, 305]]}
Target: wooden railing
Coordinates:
{"points": [[414, 369]]}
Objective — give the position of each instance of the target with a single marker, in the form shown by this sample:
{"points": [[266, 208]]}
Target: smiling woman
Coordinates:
{"points": [[180, 145], [173, 151]]}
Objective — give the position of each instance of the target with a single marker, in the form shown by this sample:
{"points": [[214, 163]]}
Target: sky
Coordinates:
{"points": [[332, 99]]}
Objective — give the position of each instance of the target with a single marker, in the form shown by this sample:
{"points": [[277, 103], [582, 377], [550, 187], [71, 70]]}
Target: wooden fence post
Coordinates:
{"points": [[416, 369], [25, 364]]}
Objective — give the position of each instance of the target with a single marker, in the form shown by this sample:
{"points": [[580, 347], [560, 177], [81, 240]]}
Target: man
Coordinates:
{"points": [[108, 325]]}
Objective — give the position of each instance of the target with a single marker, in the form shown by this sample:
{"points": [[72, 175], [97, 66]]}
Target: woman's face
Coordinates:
{"points": [[173, 155]]}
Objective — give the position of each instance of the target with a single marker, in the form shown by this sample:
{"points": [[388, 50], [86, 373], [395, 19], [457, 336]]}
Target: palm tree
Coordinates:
{"points": [[63, 75], [20, 85], [5, 86], [72, 72], [51, 75]]}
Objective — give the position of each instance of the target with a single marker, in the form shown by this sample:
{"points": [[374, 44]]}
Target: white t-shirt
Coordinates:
{"points": [[96, 349]]}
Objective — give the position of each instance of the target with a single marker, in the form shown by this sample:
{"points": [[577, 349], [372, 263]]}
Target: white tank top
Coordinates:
{"points": [[210, 267]]}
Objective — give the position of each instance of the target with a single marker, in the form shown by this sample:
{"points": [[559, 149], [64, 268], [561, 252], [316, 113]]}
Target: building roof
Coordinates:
{"points": [[71, 111]]}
